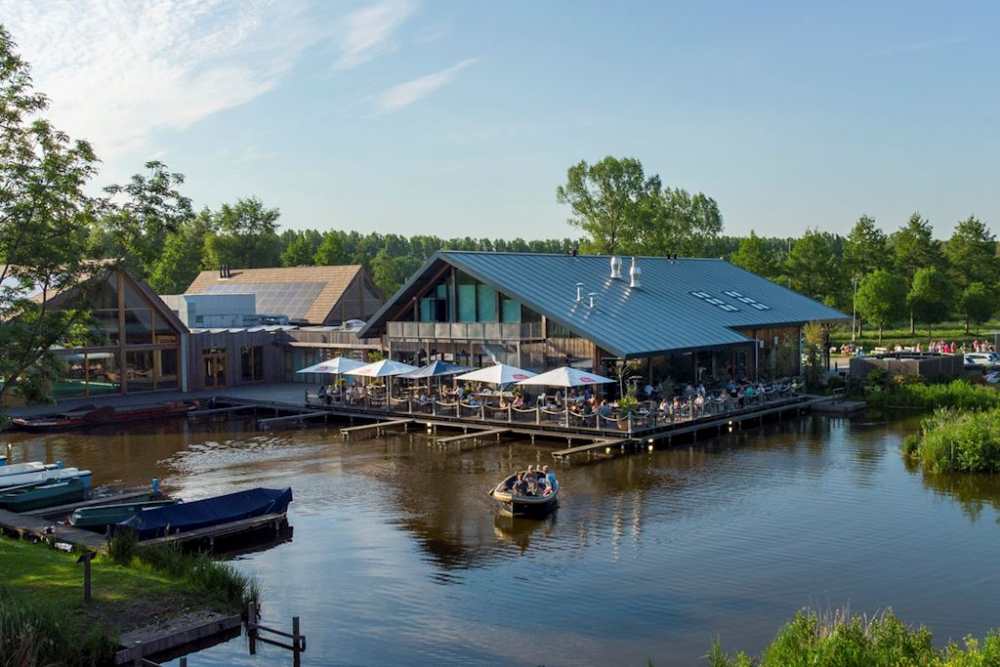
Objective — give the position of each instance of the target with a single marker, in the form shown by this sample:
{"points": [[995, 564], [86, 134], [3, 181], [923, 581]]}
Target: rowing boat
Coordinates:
{"points": [[49, 494], [99, 517], [521, 505], [21, 468], [91, 416], [44, 477]]}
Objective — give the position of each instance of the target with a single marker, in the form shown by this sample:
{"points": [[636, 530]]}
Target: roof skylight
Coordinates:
{"points": [[753, 303], [715, 301]]}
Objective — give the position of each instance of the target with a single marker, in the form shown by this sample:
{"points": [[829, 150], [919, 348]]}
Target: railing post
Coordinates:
{"points": [[538, 415], [252, 628], [434, 407], [510, 414], [458, 408], [482, 412], [628, 420], [296, 648]]}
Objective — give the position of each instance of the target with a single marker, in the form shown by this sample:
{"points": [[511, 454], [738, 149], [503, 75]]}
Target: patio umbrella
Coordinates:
{"points": [[500, 374], [566, 377], [435, 369], [385, 368], [335, 366]]}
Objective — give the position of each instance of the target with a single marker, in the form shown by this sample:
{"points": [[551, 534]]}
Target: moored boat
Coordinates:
{"points": [[100, 416], [188, 516], [44, 477], [21, 468], [37, 496], [517, 504], [99, 517]]}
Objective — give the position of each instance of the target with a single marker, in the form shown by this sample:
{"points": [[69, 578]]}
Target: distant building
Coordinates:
{"points": [[210, 311], [685, 320], [310, 295]]}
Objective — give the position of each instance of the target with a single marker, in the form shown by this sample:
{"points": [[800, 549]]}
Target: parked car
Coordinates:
{"points": [[982, 360], [354, 325]]}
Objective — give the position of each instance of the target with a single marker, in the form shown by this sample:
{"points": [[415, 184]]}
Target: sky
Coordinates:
{"points": [[461, 118]]}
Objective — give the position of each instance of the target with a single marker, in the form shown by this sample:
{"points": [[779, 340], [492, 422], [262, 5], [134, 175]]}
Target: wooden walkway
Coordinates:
{"points": [[34, 527], [378, 427], [475, 435], [299, 417], [595, 446], [176, 633], [212, 533]]}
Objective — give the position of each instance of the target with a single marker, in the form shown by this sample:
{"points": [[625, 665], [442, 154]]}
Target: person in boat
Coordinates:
{"points": [[550, 476], [520, 485]]}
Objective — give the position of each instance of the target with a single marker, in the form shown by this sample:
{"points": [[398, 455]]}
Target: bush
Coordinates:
{"points": [[957, 394], [951, 441], [122, 546], [219, 581], [860, 641]]}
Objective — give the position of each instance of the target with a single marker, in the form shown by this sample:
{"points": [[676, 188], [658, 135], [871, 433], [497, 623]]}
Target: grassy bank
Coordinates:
{"points": [[953, 441], [948, 331], [43, 619], [957, 394], [859, 641]]}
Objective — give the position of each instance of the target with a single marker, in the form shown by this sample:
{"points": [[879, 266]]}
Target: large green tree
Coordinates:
{"points": [[930, 295], [881, 299], [300, 247], [181, 259], [814, 267], [976, 303], [245, 236], [866, 249], [45, 213], [972, 254], [914, 248], [681, 223], [754, 256]]}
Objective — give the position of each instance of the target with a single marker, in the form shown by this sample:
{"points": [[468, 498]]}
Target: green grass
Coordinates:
{"points": [[957, 394], [952, 441], [947, 331], [41, 599], [845, 640]]}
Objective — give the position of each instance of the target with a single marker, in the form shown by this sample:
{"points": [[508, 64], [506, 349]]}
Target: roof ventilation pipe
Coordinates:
{"points": [[634, 274], [616, 266], [579, 292], [591, 295]]}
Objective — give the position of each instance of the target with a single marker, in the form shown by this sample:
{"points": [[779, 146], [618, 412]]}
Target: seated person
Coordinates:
{"points": [[519, 401]]}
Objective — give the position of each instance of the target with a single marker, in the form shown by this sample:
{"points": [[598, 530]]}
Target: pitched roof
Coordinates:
{"points": [[680, 304], [301, 292]]}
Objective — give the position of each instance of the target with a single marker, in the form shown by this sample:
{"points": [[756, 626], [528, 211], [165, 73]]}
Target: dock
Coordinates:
{"points": [[33, 527], [212, 533], [378, 427], [296, 418], [194, 628], [62, 510], [475, 435], [593, 447]]}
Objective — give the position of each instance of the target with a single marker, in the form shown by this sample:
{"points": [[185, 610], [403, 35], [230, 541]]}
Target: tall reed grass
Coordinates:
{"points": [[953, 441], [32, 633], [957, 394]]}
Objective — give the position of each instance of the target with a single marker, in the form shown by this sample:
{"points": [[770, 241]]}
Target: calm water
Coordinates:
{"points": [[398, 558]]}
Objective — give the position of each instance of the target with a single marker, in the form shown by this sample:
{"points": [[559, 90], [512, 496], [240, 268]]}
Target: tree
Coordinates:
{"points": [[245, 237], [332, 250], [681, 223], [813, 267], [929, 298], [754, 256], [865, 248], [612, 201], [881, 299], [972, 254], [181, 259], [301, 249], [976, 303], [914, 248], [45, 213], [139, 217]]}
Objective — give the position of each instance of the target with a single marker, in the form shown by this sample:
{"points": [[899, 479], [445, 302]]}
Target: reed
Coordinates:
{"points": [[857, 640], [33, 633], [957, 394], [953, 441]]}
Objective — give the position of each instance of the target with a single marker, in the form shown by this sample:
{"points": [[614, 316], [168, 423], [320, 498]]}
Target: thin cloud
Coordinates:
{"points": [[370, 31], [118, 71], [405, 94]]}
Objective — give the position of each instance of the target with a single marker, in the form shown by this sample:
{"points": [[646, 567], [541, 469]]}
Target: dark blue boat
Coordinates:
{"points": [[184, 517]]}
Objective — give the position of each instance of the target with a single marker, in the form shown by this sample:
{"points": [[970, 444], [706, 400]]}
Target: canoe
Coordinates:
{"points": [[99, 517], [24, 498], [102, 416], [517, 505], [188, 516], [44, 477]]}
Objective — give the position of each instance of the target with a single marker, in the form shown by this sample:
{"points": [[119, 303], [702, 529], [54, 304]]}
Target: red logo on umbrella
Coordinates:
{"points": [[519, 376], [586, 380]]}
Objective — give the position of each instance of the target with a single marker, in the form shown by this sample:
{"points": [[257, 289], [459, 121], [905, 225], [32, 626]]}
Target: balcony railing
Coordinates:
{"points": [[494, 331]]}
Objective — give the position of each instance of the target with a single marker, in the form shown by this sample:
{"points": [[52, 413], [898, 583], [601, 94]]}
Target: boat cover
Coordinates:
{"points": [[187, 516]]}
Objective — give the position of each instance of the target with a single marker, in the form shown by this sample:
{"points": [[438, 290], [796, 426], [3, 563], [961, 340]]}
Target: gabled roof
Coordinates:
{"points": [[680, 304], [302, 292]]}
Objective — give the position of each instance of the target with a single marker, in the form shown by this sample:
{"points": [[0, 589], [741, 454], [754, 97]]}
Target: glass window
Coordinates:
{"points": [[467, 302], [139, 326], [72, 382], [165, 334], [103, 327], [103, 376], [167, 376], [486, 303], [510, 310], [139, 370]]}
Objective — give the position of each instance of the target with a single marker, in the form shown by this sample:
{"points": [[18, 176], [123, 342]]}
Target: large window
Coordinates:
{"points": [[251, 363], [486, 303], [140, 374]]}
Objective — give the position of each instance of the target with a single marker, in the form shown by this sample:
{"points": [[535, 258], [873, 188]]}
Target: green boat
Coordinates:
{"points": [[47, 494], [100, 517]]}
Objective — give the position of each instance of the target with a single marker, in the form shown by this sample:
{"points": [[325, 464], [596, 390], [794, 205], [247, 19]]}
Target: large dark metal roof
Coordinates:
{"points": [[680, 304]]}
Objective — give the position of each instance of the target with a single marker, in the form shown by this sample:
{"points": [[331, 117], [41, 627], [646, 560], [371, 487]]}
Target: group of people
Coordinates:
{"points": [[940, 346], [354, 394], [540, 481]]}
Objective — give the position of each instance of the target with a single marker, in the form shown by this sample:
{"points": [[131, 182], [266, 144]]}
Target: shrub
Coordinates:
{"points": [[122, 546], [955, 394], [849, 640], [952, 441], [219, 581]]}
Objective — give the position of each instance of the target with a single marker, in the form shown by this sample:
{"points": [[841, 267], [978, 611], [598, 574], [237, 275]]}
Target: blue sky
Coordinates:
{"points": [[460, 118]]}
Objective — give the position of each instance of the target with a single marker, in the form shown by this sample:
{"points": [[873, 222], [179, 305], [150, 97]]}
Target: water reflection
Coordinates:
{"points": [[399, 557]]}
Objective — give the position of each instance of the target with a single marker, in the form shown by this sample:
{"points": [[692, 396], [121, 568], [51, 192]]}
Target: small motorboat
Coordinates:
{"points": [[44, 477], [188, 516], [90, 416], [48, 494], [99, 517], [21, 468], [520, 505]]}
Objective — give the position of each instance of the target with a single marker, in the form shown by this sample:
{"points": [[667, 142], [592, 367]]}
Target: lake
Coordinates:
{"points": [[399, 558]]}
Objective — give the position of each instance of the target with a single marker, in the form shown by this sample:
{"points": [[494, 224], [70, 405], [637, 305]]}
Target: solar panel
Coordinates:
{"points": [[290, 299]]}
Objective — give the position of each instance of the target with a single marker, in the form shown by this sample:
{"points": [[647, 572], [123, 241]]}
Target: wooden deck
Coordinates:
{"points": [[212, 533], [378, 426], [595, 446], [475, 435], [34, 527], [176, 633]]}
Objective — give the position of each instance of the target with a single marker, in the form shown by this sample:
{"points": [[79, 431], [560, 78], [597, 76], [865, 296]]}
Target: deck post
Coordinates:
{"points": [[296, 644], [433, 407], [510, 414], [482, 412], [538, 415]]}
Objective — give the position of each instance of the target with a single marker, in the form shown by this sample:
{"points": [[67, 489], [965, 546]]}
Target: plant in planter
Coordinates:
{"points": [[628, 405]]}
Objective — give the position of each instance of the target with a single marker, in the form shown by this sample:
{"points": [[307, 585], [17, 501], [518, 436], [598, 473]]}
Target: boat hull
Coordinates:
{"points": [[188, 516], [526, 506], [43, 495], [101, 417], [99, 517]]}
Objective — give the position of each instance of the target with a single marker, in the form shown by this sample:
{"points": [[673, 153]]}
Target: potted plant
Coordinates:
{"points": [[627, 405]]}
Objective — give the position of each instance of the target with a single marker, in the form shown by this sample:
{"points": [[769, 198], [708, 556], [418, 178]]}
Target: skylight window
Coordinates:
{"points": [[715, 301], [753, 303]]}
